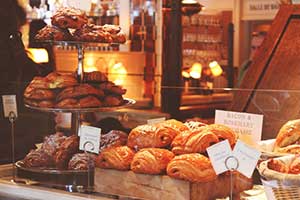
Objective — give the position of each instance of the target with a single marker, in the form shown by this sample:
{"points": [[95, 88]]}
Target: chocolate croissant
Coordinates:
{"points": [[82, 161], [115, 158], [38, 158], [193, 141], [151, 136], [191, 167], [222, 132], [151, 161], [53, 142], [176, 125]]}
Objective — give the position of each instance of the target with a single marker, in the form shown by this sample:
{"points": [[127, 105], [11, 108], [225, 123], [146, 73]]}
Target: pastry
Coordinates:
{"points": [[278, 165], [38, 158], [68, 147], [111, 88], [222, 132], [68, 103], [193, 125], [289, 134], [69, 18], [191, 167], [89, 101], [95, 76], [116, 33], [151, 161], [79, 91], [114, 138], [175, 124], [38, 94], [295, 165], [53, 33], [92, 33], [150, 136], [193, 141], [115, 158], [113, 100], [291, 149], [53, 142], [82, 161], [42, 103]]}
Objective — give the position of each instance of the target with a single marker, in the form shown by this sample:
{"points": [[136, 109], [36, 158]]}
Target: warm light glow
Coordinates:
{"points": [[95, 1], [118, 73], [185, 74], [188, 1], [38, 55], [215, 68], [90, 65], [196, 71]]}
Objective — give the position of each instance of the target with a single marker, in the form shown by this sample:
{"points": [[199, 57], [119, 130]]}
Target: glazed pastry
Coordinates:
{"points": [[116, 33], [42, 103], [53, 142], [223, 133], [92, 33], [68, 103], [288, 134], [53, 33], [38, 158], [114, 138], [89, 101], [295, 165], [193, 141], [291, 149], [151, 161], [175, 124], [95, 76], [191, 167], [113, 100], [82, 161], [115, 158], [110, 88], [68, 147], [278, 165], [69, 18], [194, 125], [38, 94], [79, 91], [150, 136]]}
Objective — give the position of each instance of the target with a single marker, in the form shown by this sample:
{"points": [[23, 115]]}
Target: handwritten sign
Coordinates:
{"points": [[156, 120], [9, 105], [247, 126], [89, 139]]}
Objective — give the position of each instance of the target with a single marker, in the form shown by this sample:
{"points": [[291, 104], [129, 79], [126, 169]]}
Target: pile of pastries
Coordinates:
{"points": [[280, 166], [70, 24], [58, 90], [171, 147]]}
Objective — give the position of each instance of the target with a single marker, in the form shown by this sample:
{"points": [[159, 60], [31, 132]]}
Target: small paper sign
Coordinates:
{"points": [[247, 126], [9, 105], [89, 139], [247, 158], [218, 153], [156, 120]]}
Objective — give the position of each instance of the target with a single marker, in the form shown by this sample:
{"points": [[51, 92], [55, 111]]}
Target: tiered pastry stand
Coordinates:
{"points": [[72, 180]]}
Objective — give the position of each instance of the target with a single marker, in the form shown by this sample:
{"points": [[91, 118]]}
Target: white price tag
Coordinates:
{"points": [[218, 153], [156, 120], [89, 139], [9, 105], [247, 126], [247, 158]]}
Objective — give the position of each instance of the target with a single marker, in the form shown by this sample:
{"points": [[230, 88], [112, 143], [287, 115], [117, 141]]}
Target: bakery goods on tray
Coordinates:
{"points": [[191, 167], [151, 161], [38, 94], [53, 142], [92, 33], [95, 76], [175, 124], [115, 158], [38, 158], [82, 161], [53, 33], [116, 33], [193, 125], [79, 91], [222, 132], [69, 18], [113, 138]]}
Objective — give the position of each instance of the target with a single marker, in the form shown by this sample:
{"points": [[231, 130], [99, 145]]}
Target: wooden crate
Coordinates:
{"points": [[158, 187]]}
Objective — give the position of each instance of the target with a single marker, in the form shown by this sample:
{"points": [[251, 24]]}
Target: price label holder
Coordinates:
{"points": [[10, 111], [156, 120]]}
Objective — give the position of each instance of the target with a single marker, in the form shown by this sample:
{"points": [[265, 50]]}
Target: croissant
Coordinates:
{"points": [[151, 161], [175, 124], [191, 167], [115, 158], [151, 136], [222, 132], [193, 141]]}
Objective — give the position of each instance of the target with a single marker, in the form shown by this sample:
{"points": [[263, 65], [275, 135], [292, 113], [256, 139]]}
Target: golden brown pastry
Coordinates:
{"points": [[111, 88], [193, 125], [38, 94], [38, 158], [295, 165], [191, 167], [95, 76], [151, 161], [291, 149], [289, 134], [82, 161], [150, 136], [69, 18], [175, 124], [42, 103], [89, 101], [193, 141], [115, 158], [278, 165], [68, 103], [116, 33], [113, 100], [92, 33], [222, 132], [113, 138], [53, 33]]}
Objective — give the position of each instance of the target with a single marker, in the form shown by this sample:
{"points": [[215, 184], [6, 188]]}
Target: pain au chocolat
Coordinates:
{"points": [[69, 18]]}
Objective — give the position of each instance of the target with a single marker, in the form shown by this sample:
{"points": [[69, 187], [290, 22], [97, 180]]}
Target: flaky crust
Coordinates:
{"points": [[193, 141], [69, 18], [42, 103], [38, 158], [151, 161], [38, 94], [222, 132], [150, 136], [175, 124], [115, 158], [79, 91], [295, 165], [113, 138], [82, 161], [92, 33], [53, 142], [53, 33], [289, 134], [194, 125], [191, 167]]}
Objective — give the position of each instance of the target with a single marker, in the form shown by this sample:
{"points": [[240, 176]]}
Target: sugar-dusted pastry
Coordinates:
{"points": [[69, 18], [113, 138], [151, 161], [193, 125], [175, 124], [278, 165], [191, 167], [150, 136], [82, 161], [193, 141], [53, 142], [38, 158], [289, 134], [53, 33], [222, 132], [115, 158]]}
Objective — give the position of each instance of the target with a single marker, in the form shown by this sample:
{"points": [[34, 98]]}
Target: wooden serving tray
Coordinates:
{"points": [[156, 187]]}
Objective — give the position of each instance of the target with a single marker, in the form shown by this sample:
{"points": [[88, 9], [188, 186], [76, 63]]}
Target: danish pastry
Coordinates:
{"points": [[114, 138], [53, 142], [222, 132], [53, 33], [151, 161], [115, 158], [38, 158], [69, 18], [82, 161], [191, 167]]}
